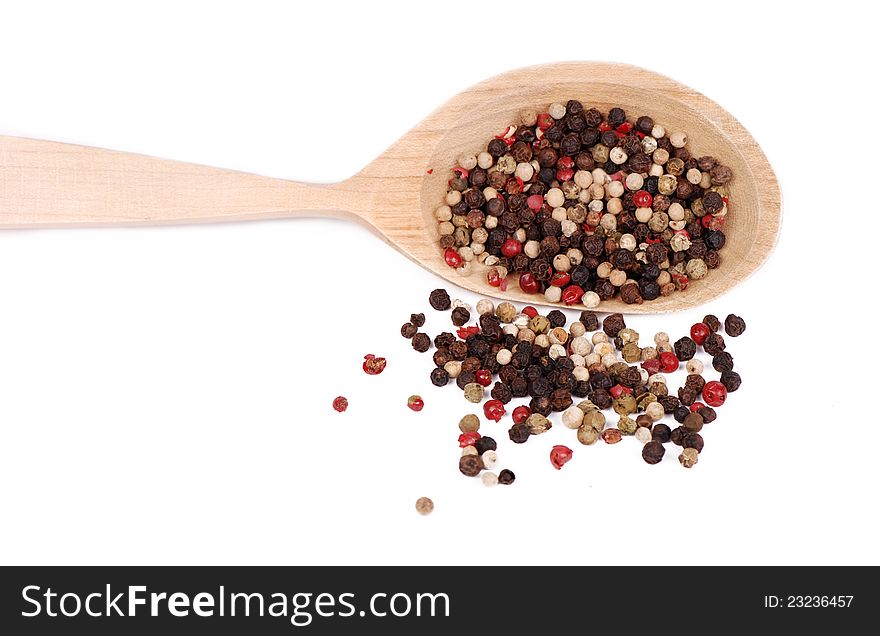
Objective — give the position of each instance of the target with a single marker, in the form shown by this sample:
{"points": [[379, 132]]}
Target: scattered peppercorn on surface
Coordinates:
{"points": [[597, 377], [581, 206]]}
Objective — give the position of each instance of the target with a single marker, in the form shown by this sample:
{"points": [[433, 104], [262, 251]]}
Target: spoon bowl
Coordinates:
{"points": [[49, 184]]}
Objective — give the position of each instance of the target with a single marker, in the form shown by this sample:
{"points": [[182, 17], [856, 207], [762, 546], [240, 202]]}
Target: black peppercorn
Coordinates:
{"points": [[441, 357], [693, 422], [506, 477], [464, 378], [708, 414], [458, 350], [612, 324], [519, 433], [670, 403], [723, 362], [653, 452], [680, 413], [714, 344], [693, 440], [421, 342], [408, 330], [661, 433], [731, 380], [695, 382], [687, 396], [685, 348], [541, 405], [484, 444], [601, 398], [417, 319], [711, 321], [439, 298], [556, 318], [439, 377], [734, 325], [616, 116], [590, 320], [502, 392], [460, 316]]}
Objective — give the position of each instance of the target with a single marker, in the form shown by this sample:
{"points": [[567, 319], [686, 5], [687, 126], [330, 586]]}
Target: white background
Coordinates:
{"points": [[165, 393]]}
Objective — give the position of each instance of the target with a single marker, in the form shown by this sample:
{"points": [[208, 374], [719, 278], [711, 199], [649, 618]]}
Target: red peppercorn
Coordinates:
{"points": [[521, 414], [604, 126], [617, 176], [468, 439], [559, 456], [565, 162], [494, 410], [544, 121], [511, 248], [572, 294], [652, 366], [494, 277], [560, 279], [373, 365], [618, 389], [668, 362], [452, 257], [530, 311], [643, 199], [696, 406], [564, 174], [624, 128], [340, 404], [464, 332], [527, 283], [415, 402], [699, 333], [535, 202], [714, 393], [484, 377]]}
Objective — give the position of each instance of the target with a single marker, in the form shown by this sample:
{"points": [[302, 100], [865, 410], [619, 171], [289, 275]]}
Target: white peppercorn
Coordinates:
{"points": [[599, 336], [577, 329], [643, 435], [556, 351], [453, 368], [655, 411], [694, 366], [532, 249], [580, 372], [678, 139], [634, 181], [490, 459], [504, 356], [469, 450], [590, 299], [485, 160], [643, 215], [489, 479], [561, 263], [553, 294], [554, 197], [572, 417], [556, 110], [583, 178], [453, 197], [485, 306]]}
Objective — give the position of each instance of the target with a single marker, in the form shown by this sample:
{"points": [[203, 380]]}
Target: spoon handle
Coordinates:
{"points": [[51, 184]]}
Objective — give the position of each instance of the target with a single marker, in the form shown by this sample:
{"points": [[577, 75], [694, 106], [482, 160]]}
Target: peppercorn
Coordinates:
{"points": [[506, 477], [689, 457], [373, 365], [587, 435], [340, 404], [470, 465], [661, 433], [693, 422], [519, 433], [677, 435], [685, 348], [408, 330], [444, 340], [626, 425], [439, 377], [734, 325], [693, 440], [424, 506], [485, 444], [708, 414], [421, 342], [611, 436], [714, 344], [612, 324], [538, 424], [560, 455], [712, 322], [460, 316], [653, 452], [439, 300], [731, 380], [723, 362]]}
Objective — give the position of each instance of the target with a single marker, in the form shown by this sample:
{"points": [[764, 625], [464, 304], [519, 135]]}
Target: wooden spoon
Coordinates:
{"points": [[48, 184]]}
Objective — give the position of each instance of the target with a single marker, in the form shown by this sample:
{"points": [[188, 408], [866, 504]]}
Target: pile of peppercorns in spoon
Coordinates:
{"points": [[524, 354], [583, 207]]}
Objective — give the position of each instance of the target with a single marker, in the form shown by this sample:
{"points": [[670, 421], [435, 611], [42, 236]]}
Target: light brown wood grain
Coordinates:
{"points": [[49, 184]]}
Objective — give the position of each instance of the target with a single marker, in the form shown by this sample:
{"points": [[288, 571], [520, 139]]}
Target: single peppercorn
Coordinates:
{"points": [[677, 435], [708, 414], [693, 440], [340, 404], [460, 316], [421, 342], [485, 444], [439, 377], [506, 477], [714, 344], [689, 457], [712, 322], [424, 506], [589, 320], [417, 319], [734, 326], [653, 452], [519, 433], [661, 433], [723, 362], [439, 300], [408, 330], [685, 348], [612, 324], [470, 465], [693, 422], [731, 380]]}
